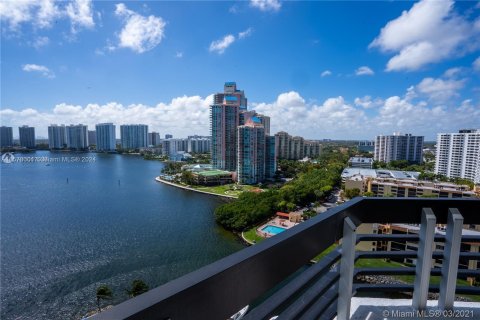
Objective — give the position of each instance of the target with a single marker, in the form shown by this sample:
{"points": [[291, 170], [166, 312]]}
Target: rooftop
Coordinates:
{"points": [[360, 160], [211, 173]]}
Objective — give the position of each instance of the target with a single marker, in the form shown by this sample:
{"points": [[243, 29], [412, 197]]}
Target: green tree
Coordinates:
{"points": [[352, 193], [103, 293], [137, 288], [187, 177], [369, 194]]}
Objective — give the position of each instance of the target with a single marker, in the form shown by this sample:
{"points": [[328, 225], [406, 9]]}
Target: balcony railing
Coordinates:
{"points": [[275, 277]]}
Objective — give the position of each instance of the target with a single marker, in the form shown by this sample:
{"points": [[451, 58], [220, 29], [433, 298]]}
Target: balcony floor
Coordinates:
{"points": [[381, 309]]}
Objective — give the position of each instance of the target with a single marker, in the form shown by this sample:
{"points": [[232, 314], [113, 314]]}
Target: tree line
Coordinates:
{"points": [[312, 182]]}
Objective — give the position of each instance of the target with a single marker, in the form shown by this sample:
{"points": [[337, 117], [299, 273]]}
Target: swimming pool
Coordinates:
{"points": [[273, 229]]}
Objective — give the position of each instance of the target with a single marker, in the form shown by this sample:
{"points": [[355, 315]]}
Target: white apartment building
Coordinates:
{"points": [[399, 147], [458, 154], [105, 136], [77, 136]]}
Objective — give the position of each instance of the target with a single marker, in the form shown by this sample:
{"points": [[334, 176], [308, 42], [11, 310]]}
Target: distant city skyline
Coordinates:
{"points": [[301, 63]]}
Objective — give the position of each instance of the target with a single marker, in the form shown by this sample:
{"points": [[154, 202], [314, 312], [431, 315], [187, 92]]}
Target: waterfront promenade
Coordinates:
{"points": [[193, 189]]}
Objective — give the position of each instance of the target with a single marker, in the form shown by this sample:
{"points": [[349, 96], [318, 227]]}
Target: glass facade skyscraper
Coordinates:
{"points": [[251, 152], [224, 120], [239, 138]]}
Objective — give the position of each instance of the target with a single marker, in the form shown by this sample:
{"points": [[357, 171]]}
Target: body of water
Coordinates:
{"points": [[70, 226]]}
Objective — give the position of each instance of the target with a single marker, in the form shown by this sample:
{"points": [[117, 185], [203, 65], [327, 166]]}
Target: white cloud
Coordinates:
{"points": [[266, 5], [42, 13], [179, 55], [80, 13], [233, 9], [334, 118], [40, 42], [246, 33], [182, 116], [452, 72], [219, 46], [367, 102], [364, 71], [326, 73], [476, 64], [400, 114], [438, 89], [139, 33], [39, 13], [44, 71], [429, 32]]}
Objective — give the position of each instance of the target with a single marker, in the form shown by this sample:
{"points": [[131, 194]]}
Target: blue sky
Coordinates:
{"points": [[340, 70]]}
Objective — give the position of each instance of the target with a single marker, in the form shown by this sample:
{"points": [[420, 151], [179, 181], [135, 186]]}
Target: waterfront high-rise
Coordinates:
{"points": [[168, 136], [458, 155], [198, 145], [57, 136], [27, 136], [154, 139], [171, 147], [92, 137], [77, 137], [399, 147], [251, 152], [245, 115], [230, 89], [224, 120], [106, 138], [134, 136], [6, 134]]}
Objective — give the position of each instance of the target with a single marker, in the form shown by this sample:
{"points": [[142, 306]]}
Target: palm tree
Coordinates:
{"points": [[138, 287], [103, 292]]}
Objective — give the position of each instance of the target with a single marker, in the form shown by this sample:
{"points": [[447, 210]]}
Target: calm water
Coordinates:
{"points": [[60, 240]]}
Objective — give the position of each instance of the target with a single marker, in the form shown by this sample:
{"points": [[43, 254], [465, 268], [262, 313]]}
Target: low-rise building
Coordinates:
{"points": [[403, 188], [360, 162], [349, 172], [212, 177], [413, 245]]}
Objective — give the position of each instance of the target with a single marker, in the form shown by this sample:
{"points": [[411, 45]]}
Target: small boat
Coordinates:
{"points": [[239, 315], [48, 165]]}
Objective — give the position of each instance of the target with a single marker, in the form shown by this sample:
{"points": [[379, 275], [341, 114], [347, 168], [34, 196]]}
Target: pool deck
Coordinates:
{"points": [[276, 222]]}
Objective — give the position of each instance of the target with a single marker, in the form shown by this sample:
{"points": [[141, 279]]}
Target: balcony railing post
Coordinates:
{"points": [[347, 263], [424, 259], [451, 254]]}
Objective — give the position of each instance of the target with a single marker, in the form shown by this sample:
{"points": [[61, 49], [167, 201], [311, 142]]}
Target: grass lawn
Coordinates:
{"points": [[251, 235], [226, 189], [324, 253]]}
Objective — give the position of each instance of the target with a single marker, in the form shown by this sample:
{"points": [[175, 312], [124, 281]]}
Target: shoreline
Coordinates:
{"points": [[158, 179]]}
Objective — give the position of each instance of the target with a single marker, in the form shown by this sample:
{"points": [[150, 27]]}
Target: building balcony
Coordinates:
{"points": [[278, 278]]}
